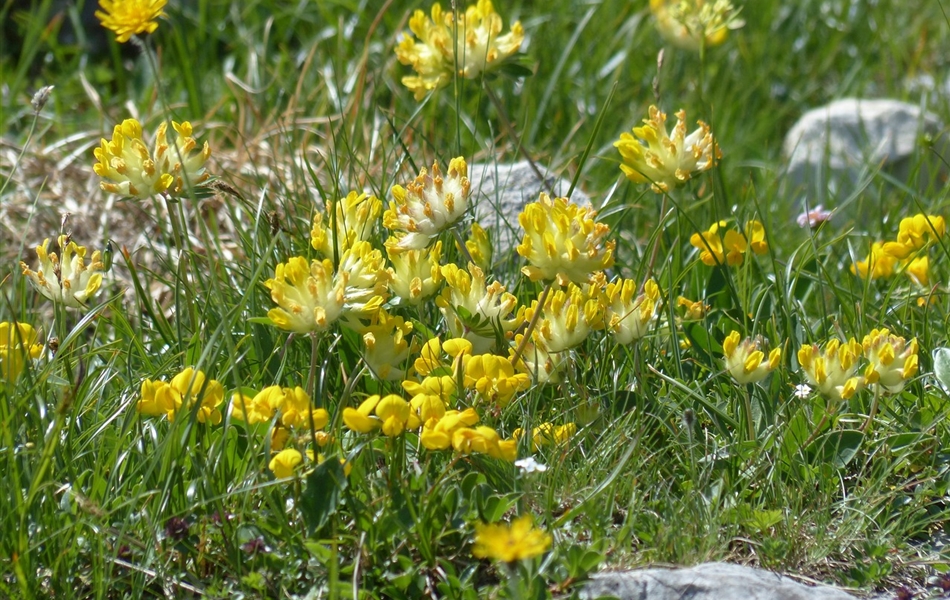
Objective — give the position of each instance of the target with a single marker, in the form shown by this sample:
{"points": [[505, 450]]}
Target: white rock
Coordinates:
{"points": [[709, 581]]}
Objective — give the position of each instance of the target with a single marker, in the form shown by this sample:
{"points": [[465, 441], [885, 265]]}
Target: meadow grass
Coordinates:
{"points": [[301, 104]]}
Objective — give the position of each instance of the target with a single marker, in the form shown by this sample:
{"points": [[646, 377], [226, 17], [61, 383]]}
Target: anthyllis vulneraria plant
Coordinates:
{"points": [[132, 170], [745, 359], [427, 206], [651, 155], [18, 344], [130, 17], [692, 24], [66, 279], [832, 370], [892, 360], [468, 46], [309, 298]]}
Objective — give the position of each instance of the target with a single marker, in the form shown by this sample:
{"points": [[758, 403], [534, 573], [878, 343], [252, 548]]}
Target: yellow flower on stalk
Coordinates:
{"points": [[509, 543], [538, 361], [469, 46], [755, 236], [915, 234], [308, 297], [133, 171], [437, 433], [563, 242], [355, 219], [892, 360], [694, 310], [494, 378], [918, 269], [878, 264], [832, 370], [284, 463], [360, 419], [567, 318], [718, 249], [652, 156], [431, 361], [630, 317], [396, 415], [473, 309], [259, 408], [186, 389], [386, 345], [296, 410], [548, 434], [691, 24], [484, 440], [18, 343], [130, 17], [428, 206], [746, 361], [67, 279], [365, 279], [479, 247], [415, 275]]}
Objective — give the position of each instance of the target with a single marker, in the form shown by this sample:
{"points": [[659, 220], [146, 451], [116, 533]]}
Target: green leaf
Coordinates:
{"points": [[837, 448], [321, 497]]}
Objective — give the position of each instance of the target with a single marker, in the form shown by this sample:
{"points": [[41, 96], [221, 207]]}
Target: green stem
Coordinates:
{"points": [[750, 423], [873, 411]]}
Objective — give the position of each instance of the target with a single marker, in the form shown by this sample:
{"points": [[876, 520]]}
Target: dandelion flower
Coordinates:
{"points": [[652, 156], [18, 343], [469, 46], [130, 17], [563, 242], [66, 279], [509, 543]]}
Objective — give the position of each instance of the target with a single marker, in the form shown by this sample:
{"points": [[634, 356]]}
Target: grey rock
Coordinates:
{"points": [[500, 192], [709, 581], [835, 150]]}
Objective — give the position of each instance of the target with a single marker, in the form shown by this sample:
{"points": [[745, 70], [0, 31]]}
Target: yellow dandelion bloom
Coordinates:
{"points": [[18, 343], [892, 360], [508, 543], [428, 206], [132, 170], [308, 297], [690, 24], [469, 46], [652, 156], [563, 242], [130, 17], [66, 279], [746, 361]]}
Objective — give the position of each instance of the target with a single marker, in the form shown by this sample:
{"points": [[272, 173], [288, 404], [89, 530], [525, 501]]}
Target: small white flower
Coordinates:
{"points": [[802, 391], [529, 465]]}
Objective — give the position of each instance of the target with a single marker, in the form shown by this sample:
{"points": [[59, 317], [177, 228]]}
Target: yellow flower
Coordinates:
{"points": [[745, 361], [18, 342], [915, 234], [469, 47], [308, 297], [360, 419], [415, 275], [386, 345], [430, 359], [428, 206], [484, 440], [695, 311], [627, 317], [878, 263], [563, 242], [135, 172], [567, 318], [918, 269], [363, 273], [755, 236], [395, 415], [474, 310], [296, 411], [479, 247], [508, 543], [130, 17], [260, 408], [185, 390], [68, 280], [437, 433], [548, 434], [892, 360], [538, 361], [356, 217], [651, 156], [494, 378], [284, 462], [717, 249], [690, 24], [831, 371]]}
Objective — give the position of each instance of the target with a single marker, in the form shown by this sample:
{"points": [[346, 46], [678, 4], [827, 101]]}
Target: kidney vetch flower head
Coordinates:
{"points": [[563, 242], [469, 46], [130, 17], [309, 299], [652, 156], [628, 315], [132, 170], [892, 360], [18, 342], [66, 279], [690, 24], [508, 543], [354, 217], [745, 360], [832, 370], [428, 206]]}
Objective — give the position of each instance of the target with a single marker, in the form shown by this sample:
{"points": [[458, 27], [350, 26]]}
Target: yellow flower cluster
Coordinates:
{"points": [[746, 361], [721, 245], [18, 344], [691, 24], [467, 44], [427, 206], [509, 543], [891, 360], [189, 391], [291, 405], [130, 17], [652, 156], [66, 279], [548, 434], [908, 253], [479, 312], [132, 170], [350, 220]]}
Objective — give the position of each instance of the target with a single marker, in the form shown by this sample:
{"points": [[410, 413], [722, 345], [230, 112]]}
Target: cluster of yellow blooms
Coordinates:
{"points": [[832, 369], [907, 254], [18, 344], [721, 245], [68, 279], [691, 24], [188, 391]]}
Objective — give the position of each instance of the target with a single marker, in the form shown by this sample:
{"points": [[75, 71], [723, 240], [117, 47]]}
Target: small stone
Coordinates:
{"points": [[709, 581]]}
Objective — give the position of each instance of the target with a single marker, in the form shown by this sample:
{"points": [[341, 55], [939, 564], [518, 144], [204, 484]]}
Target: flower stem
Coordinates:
{"points": [[532, 324], [750, 423], [873, 411]]}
